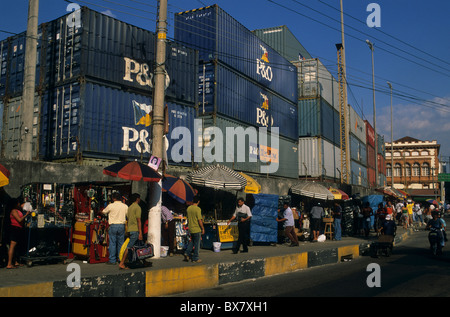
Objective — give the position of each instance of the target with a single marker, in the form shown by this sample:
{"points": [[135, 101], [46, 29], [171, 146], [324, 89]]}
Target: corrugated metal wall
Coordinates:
{"points": [[230, 94], [317, 118], [284, 42], [250, 154], [318, 158], [218, 36], [315, 81], [103, 122]]}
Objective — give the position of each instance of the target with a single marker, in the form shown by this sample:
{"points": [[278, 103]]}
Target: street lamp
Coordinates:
{"points": [[392, 141], [374, 116]]}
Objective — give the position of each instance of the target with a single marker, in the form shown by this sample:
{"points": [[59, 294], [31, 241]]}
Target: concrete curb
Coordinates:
{"points": [[178, 280], [161, 282]]}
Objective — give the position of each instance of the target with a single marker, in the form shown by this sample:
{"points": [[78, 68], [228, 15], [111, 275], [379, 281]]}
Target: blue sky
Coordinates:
{"points": [[412, 49]]}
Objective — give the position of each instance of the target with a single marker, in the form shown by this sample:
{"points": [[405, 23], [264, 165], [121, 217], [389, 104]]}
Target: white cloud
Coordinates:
{"points": [[424, 121]]}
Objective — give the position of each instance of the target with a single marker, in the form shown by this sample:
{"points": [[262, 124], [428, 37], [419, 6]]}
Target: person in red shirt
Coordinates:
{"points": [[17, 218]]}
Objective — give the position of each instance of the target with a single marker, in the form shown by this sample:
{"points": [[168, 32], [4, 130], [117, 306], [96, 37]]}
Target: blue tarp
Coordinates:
{"points": [[373, 200], [264, 227]]}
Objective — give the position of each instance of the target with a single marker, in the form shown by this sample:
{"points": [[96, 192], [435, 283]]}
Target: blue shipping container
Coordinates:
{"points": [[103, 122], [101, 48], [226, 92], [358, 174], [218, 36]]}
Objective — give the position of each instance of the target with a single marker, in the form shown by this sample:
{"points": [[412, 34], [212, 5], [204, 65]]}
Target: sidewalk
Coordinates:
{"points": [[172, 275]]}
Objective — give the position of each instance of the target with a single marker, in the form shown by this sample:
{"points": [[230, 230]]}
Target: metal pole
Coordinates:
{"points": [[374, 116], [392, 141], [26, 146], [154, 215]]}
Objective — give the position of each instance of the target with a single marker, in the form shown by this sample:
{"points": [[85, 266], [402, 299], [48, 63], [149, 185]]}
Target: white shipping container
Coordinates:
{"points": [[314, 80], [318, 157]]}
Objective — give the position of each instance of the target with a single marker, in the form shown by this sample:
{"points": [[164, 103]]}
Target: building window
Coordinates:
{"points": [[397, 170], [424, 153], [388, 170], [407, 170], [416, 169], [425, 169], [397, 154], [406, 154], [415, 153]]}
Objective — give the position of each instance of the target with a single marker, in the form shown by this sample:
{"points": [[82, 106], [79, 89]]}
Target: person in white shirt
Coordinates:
{"points": [[243, 216], [117, 218], [288, 223]]}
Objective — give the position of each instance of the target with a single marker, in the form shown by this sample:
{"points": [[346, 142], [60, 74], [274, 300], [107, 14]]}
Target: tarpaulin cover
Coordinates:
{"points": [[373, 201], [264, 227]]}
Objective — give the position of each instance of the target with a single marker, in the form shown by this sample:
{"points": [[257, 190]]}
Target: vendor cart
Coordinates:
{"points": [[49, 225]]}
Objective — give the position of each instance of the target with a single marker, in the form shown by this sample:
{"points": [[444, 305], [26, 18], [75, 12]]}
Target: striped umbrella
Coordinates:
{"points": [[178, 189], [313, 190], [218, 177], [4, 176], [134, 171]]}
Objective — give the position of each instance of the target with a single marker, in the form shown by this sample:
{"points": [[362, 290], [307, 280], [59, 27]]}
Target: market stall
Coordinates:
{"points": [[219, 185], [90, 228], [49, 228]]}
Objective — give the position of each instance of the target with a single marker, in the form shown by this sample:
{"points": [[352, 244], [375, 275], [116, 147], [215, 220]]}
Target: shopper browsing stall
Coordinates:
{"points": [[117, 213]]}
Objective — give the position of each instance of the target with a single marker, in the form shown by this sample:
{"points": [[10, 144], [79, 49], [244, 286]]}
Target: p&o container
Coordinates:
{"points": [[218, 36], [227, 93]]}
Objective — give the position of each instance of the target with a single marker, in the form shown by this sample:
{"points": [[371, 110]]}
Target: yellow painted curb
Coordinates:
{"points": [[178, 280], [33, 290], [352, 250], [286, 263]]}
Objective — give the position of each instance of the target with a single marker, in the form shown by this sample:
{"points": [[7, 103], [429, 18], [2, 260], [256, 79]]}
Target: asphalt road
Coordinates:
{"points": [[410, 271]]}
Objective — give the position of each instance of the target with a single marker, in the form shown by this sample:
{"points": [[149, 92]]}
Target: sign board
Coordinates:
{"points": [[444, 177], [227, 233]]}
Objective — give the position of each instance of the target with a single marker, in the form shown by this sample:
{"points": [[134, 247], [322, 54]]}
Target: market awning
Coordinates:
{"points": [[338, 193], [218, 177], [313, 190], [252, 187]]}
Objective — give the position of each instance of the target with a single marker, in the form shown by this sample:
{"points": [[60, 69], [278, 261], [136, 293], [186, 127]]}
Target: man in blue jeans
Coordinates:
{"points": [[196, 229], [337, 215], [117, 213]]}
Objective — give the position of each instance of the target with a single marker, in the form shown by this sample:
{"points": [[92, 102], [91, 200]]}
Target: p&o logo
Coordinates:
{"points": [[262, 65]]}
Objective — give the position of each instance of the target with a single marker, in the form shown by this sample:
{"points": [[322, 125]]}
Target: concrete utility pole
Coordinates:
{"points": [[154, 215], [392, 140], [26, 147], [374, 115]]}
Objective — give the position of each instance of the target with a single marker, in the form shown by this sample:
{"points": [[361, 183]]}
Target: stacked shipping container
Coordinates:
{"points": [[358, 149], [95, 85], [370, 135], [243, 82]]}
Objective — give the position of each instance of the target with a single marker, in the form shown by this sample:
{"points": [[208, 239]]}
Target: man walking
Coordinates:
{"points": [[134, 227], [196, 229], [117, 213], [288, 223], [243, 216]]}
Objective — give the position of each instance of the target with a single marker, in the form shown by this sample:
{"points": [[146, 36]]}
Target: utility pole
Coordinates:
{"points": [[343, 106], [374, 115], [154, 215], [26, 131], [392, 140]]}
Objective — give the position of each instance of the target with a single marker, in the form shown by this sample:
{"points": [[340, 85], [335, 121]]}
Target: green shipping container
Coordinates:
{"points": [[223, 144]]}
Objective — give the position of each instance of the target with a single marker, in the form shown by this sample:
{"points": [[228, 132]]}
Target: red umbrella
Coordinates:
{"points": [[178, 189], [4, 176], [134, 171]]}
